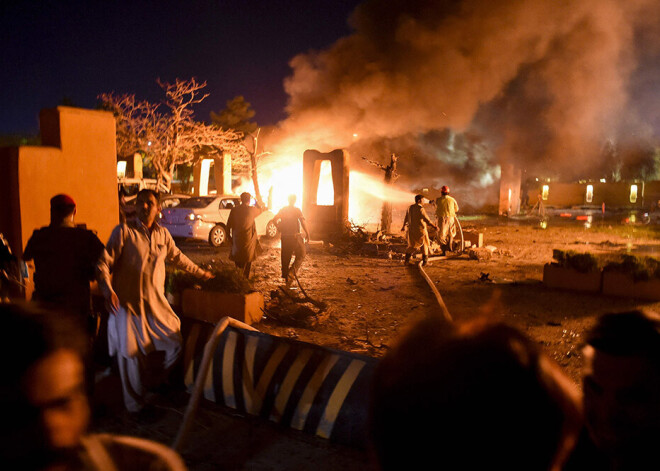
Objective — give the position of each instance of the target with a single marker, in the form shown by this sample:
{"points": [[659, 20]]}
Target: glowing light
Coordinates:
{"points": [[545, 192], [602, 180], [204, 177], [121, 169], [590, 193], [325, 194], [633, 193]]}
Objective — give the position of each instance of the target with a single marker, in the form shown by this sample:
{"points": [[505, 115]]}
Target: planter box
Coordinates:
{"points": [[211, 306], [622, 284], [566, 278]]}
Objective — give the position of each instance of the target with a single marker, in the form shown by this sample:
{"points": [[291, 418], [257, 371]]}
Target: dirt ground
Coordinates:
{"points": [[372, 299]]}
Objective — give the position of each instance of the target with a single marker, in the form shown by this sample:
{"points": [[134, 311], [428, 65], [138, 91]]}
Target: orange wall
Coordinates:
{"points": [[78, 158], [613, 194]]}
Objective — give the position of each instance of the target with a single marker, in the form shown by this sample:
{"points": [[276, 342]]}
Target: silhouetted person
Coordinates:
{"points": [[141, 320], [418, 237], [44, 426], [244, 241], [471, 397], [289, 221], [621, 394], [65, 257]]}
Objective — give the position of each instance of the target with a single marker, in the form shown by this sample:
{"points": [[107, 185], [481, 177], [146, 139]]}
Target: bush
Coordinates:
{"points": [[227, 279], [582, 262], [641, 268]]}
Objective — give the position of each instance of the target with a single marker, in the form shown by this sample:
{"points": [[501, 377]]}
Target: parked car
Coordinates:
{"points": [[166, 201], [205, 218]]}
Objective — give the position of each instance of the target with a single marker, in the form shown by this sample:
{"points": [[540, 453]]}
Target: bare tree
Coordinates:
{"points": [[134, 121], [391, 176], [175, 137]]}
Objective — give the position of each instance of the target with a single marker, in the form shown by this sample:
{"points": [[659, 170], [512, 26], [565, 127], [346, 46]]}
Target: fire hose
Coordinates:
{"points": [[441, 303]]}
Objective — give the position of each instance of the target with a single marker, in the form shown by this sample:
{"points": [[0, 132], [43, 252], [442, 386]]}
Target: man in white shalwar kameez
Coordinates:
{"points": [[141, 319]]}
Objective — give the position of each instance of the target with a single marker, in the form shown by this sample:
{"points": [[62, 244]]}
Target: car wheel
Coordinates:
{"points": [[271, 229], [217, 236]]}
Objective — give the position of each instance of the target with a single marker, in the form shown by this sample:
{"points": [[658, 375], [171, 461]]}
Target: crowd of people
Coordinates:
{"points": [[471, 395]]}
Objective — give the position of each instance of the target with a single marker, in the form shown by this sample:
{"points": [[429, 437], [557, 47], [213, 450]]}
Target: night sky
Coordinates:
{"points": [[74, 50]]}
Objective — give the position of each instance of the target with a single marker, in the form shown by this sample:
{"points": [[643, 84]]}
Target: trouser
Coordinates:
{"points": [[292, 245], [446, 233], [245, 267], [410, 250], [135, 375]]}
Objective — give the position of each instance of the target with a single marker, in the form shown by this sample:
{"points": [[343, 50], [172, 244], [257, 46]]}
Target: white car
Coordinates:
{"points": [[205, 218]]}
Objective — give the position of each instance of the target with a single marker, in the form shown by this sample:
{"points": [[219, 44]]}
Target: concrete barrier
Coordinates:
{"points": [[318, 390]]}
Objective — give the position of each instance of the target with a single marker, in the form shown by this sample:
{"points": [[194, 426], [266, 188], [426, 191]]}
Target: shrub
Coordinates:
{"points": [[641, 268], [582, 262], [227, 279]]}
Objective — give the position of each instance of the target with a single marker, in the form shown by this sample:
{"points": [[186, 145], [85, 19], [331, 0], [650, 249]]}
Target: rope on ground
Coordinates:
{"points": [[436, 293]]}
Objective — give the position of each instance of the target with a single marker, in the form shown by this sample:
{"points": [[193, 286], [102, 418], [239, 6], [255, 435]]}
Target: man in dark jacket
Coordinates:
{"points": [[65, 258]]}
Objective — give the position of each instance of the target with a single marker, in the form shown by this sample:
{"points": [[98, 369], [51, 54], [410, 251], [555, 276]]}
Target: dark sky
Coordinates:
{"points": [[77, 49]]}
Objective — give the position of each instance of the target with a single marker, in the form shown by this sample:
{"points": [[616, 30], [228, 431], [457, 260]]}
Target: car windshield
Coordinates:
{"points": [[197, 202]]}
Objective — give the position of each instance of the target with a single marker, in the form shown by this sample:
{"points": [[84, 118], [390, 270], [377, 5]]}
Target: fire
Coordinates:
{"points": [[283, 176]]}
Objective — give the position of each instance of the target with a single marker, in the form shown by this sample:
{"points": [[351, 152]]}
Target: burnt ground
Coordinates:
{"points": [[371, 300]]}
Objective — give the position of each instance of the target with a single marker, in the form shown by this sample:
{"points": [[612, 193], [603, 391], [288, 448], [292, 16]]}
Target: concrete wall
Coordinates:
{"points": [[78, 157], [510, 180], [613, 194], [325, 221]]}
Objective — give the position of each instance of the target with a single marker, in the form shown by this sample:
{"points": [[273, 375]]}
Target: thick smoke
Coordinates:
{"points": [[458, 87]]}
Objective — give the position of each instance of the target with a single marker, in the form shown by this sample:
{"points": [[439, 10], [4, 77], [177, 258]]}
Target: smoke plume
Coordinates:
{"points": [[458, 87]]}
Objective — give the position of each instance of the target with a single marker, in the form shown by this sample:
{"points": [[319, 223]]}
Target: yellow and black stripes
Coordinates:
{"points": [[307, 387]]}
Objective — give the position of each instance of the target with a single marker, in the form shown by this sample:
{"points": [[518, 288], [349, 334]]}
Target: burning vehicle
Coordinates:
{"points": [[205, 218]]}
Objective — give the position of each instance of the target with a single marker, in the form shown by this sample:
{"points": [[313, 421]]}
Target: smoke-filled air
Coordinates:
{"points": [[456, 88]]}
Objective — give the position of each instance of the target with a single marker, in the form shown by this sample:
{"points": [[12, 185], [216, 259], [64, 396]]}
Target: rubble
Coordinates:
{"points": [[480, 254], [287, 308]]}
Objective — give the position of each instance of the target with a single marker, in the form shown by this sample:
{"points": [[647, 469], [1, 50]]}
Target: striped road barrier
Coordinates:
{"points": [[318, 390]]}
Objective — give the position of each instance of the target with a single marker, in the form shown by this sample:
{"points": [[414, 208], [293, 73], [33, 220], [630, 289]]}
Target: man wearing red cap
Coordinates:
{"points": [[446, 208], [65, 258]]}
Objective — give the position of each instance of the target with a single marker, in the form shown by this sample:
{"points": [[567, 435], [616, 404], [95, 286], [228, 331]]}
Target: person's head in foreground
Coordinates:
{"points": [[622, 388], [473, 396], [43, 386]]}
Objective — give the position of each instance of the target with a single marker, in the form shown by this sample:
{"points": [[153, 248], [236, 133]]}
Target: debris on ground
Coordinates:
{"points": [[287, 307], [481, 254], [485, 278]]}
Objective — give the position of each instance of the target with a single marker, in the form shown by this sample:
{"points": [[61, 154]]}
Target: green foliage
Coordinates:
{"points": [[641, 268], [236, 115], [582, 262], [227, 279]]}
